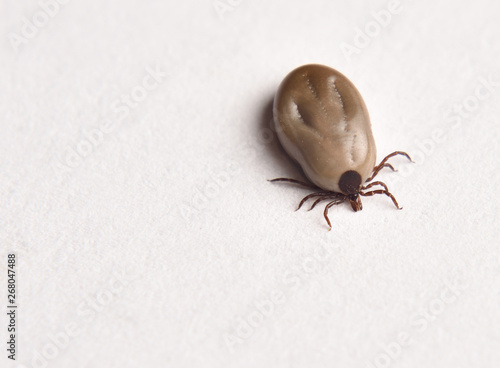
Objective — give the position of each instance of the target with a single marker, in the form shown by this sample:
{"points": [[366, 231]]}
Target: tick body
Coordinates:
{"points": [[322, 122]]}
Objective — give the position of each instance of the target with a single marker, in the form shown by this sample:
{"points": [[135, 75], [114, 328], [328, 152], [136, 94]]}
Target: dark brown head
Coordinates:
{"points": [[350, 184]]}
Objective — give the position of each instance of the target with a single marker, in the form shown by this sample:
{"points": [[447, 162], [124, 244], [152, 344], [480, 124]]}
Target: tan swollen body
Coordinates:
{"points": [[323, 123]]}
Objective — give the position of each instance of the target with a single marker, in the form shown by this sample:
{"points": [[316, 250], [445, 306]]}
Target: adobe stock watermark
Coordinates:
{"points": [[221, 178], [419, 323], [244, 327], [364, 36], [30, 27], [225, 6], [202, 195], [454, 119], [121, 108], [484, 89]]}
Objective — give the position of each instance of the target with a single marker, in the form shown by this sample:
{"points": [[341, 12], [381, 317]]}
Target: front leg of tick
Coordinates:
{"points": [[383, 164], [322, 196], [327, 207], [373, 184], [381, 191]]}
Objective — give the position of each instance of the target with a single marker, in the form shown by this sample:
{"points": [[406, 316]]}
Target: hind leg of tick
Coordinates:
{"points": [[383, 164]]}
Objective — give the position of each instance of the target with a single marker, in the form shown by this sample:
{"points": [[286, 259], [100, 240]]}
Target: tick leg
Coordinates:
{"points": [[389, 166], [395, 153], [378, 168], [383, 164], [304, 184], [380, 191], [375, 183], [328, 196], [332, 203], [312, 195]]}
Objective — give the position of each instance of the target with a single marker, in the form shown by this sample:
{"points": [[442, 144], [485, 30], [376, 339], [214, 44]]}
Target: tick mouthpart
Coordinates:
{"points": [[355, 202], [350, 182]]}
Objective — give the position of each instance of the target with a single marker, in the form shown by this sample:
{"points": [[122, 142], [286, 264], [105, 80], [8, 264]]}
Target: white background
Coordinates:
{"points": [[147, 235]]}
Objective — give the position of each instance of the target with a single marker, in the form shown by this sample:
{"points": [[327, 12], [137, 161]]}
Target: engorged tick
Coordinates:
{"points": [[322, 122]]}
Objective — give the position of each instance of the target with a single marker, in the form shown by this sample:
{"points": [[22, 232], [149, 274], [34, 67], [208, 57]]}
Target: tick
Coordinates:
{"points": [[322, 123]]}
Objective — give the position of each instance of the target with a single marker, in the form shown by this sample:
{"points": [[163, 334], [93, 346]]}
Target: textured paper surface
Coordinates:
{"points": [[134, 152]]}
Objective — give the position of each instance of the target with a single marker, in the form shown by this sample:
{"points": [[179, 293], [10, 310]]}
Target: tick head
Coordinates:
{"points": [[350, 182]]}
